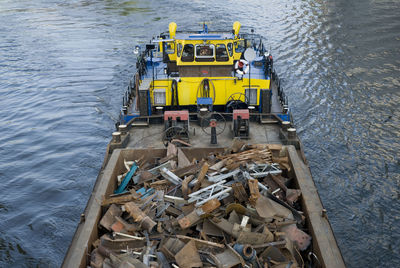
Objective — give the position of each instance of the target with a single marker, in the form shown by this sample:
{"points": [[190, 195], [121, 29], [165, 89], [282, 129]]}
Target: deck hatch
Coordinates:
{"points": [[251, 95]]}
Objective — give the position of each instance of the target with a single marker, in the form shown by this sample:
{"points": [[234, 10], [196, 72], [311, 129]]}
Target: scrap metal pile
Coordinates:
{"points": [[231, 209]]}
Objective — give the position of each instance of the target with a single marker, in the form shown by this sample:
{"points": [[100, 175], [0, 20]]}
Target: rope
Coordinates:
{"points": [[202, 92], [174, 93]]}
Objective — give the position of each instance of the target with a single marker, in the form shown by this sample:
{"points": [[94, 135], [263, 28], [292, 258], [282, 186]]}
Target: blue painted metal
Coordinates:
{"points": [[155, 63], [145, 192], [205, 36], [284, 117], [259, 58], [204, 101], [121, 188], [127, 118], [205, 28], [239, 249]]}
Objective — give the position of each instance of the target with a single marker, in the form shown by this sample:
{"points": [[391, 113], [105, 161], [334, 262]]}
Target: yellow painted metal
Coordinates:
{"points": [[224, 87], [236, 28], [172, 30], [173, 57], [160, 46], [188, 87]]}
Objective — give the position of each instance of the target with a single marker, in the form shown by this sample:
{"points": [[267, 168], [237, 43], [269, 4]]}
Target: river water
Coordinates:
{"points": [[64, 66]]}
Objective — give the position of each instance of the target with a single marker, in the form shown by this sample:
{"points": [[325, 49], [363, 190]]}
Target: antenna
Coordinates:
{"points": [[205, 28], [250, 55]]}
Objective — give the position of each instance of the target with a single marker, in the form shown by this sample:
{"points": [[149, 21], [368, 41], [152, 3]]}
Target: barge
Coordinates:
{"points": [[205, 168]]}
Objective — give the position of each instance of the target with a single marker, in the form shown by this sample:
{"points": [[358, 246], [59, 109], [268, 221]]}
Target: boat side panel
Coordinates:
{"points": [[324, 242], [222, 88], [86, 232]]}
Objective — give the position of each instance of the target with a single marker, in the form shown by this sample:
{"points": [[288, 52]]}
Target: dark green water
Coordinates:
{"points": [[64, 66]]}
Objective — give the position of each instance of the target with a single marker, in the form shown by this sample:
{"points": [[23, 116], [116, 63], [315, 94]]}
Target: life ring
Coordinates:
{"points": [[241, 67]]}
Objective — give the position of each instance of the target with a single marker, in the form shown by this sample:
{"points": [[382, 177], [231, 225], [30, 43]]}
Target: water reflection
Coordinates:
{"points": [[127, 7]]}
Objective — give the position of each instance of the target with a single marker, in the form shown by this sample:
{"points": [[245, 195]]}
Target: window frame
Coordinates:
{"points": [[179, 48], [221, 58], [169, 52], [236, 45], [184, 58], [204, 57], [230, 51]]}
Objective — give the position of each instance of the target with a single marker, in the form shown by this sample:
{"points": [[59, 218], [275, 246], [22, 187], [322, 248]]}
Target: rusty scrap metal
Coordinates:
{"points": [[217, 211]]}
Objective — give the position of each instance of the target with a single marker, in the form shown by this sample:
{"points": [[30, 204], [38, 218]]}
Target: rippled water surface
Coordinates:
{"points": [[65, 64]]}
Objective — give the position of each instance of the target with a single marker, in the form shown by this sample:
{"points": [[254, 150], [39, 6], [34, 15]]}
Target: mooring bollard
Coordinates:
{"points": [[285, 125], [291, 133], [123, 129], [116, 136]]}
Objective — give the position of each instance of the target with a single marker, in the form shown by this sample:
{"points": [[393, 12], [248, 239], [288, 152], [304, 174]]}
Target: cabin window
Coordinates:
{"points": [[169, 47], [178, 50], [205, 53], [220, 52], [230, 49], [188, 53], [239, 46]]}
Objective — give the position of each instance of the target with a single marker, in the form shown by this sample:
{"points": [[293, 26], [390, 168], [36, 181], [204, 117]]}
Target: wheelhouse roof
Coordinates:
{"points": [[203, 36], [211, 35]]}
